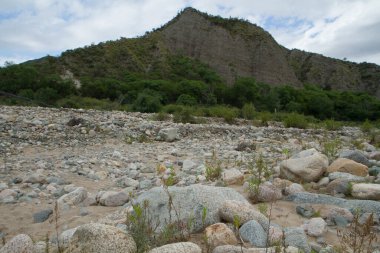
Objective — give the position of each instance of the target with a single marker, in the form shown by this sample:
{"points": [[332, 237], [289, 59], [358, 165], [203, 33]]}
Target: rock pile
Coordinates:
{"points": [[89, 170]]}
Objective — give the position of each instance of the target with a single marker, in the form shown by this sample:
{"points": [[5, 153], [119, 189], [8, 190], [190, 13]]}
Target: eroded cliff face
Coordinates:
{"points": [[241, 49], [233, 53]]}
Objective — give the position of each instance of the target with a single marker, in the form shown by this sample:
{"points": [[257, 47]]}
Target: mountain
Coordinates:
{"points": [[231, 47]]}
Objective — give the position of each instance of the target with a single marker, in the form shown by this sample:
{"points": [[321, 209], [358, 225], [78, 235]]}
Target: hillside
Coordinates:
{"points": [[231, 47], [198, 59]]}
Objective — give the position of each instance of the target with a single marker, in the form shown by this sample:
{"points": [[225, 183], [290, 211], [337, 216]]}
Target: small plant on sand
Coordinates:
{"points": [[357, 237], [330, 148], [259, 174], [213, 168], [141, 226], [263, 208]]}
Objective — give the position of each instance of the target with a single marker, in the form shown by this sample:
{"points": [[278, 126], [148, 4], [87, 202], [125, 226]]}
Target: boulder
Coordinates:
{"points": [[307, 166], [180, 247], [348, 166], [346, 176], [253, 233], [315, 227], [239, 249], [99, 238], [42, 216], [305, 210], [268, 192], [312, 198], [229, 209], [73, 198], [296, 237], [374, 171], [190, 202], [293, 188], [168, 134], [339, 187], [19, 244], [220, 234], [112, 198], [375, 155], [366, 191], [232, 176], [355, 155]]}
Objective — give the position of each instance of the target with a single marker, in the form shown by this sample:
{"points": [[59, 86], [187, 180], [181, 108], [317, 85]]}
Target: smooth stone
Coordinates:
{"points": [[42, 216]]}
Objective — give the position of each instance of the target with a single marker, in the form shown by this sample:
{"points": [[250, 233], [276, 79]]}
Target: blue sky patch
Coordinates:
{"points": [[287, 23]]}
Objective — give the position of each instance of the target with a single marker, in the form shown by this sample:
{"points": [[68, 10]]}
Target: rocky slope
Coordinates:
{"points": [[76, 173]]}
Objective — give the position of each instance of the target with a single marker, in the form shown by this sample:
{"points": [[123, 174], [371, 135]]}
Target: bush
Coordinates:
{"points": [[185, 99], [184, 116], [227, 113], [367, 126], [213, 168], [161, 116], [146, 102], [332, 125], [296, 120], [248, 111]]}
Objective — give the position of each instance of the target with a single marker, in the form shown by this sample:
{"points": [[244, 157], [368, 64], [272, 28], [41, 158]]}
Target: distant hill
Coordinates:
{"points": [[199, 59]]}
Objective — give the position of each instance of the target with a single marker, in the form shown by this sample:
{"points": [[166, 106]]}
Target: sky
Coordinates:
{"points": [[343, 29]]}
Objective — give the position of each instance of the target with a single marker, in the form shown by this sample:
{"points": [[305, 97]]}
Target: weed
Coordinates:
{"points": [[286, 152], [213, 168], [330, 148], [259, 174], [47, 247], [56, 225], [358, 144], [204, 216], [140, 226], [366, 126], [263, 208], [142, 138], [358, 238], [317, 214], [170, 179]]}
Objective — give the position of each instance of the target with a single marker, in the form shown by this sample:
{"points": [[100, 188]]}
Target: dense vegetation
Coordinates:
{"points": [[184, 83]]}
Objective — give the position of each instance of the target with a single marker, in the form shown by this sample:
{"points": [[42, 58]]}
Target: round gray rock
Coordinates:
{"points": [[181, 247], [253, 233], [190, 201], [19, 244], [42, 216], [100, 238]]}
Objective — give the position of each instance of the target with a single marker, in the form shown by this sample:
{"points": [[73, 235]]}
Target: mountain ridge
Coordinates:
{"points": [[231, 47]]}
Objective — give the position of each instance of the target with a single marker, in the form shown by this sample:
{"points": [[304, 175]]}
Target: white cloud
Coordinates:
{"points": [[336, 28]]}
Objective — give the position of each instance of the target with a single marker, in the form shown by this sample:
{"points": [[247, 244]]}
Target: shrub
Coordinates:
{"points": [[184, 116], [358, 237], [366, 126], [259, 174], [248, 111], [161, 116], [296, 120], [332, 125], [141, 226], [213, 168], [330, 148], [146, 102], [186, 99]]}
